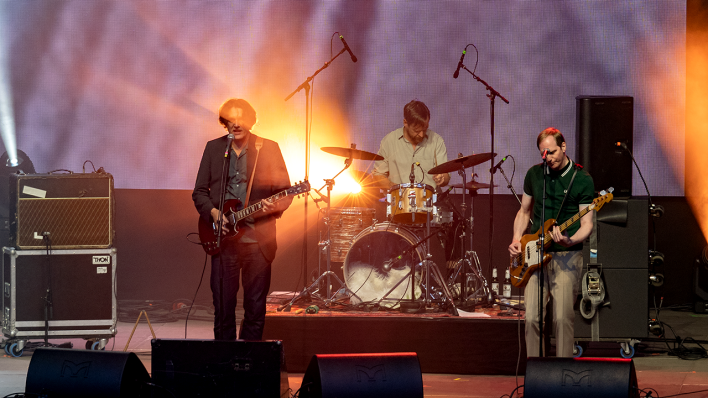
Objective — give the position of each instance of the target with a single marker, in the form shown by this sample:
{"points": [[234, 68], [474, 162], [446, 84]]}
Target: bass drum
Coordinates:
{"points": [[369, 272]]}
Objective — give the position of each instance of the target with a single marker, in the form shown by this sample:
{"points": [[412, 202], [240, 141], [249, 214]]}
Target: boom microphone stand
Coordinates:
{"points": [[493, 94], [306, 85]]}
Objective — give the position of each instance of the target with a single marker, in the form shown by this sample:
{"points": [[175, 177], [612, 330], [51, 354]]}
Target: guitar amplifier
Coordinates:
{"points": [[75, 211]]}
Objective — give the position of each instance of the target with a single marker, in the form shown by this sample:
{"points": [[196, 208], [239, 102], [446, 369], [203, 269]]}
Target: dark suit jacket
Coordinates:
{"points": [[271, 177]]}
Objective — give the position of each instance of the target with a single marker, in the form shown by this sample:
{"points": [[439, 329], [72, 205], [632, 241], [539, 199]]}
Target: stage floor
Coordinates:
{"points": [[668, 375]]}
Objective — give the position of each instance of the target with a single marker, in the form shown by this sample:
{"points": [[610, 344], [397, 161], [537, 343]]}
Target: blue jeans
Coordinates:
{"points": [[244, 259]]}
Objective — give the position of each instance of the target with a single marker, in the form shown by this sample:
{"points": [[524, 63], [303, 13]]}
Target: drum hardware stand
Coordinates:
{"points": [[468, 225], [428, 265], [313, 288]]}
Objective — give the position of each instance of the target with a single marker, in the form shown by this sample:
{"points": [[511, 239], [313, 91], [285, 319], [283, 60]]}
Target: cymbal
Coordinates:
{"points": [[352, 153], [462, 163], [473, 185]]}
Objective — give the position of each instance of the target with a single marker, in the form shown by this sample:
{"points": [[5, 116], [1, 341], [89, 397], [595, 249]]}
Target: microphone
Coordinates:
{"points": [[459, 65], [443, 195], [229, 140], [498, 165], [545, 153], [622, 145], [346, 47], [412, 176]]}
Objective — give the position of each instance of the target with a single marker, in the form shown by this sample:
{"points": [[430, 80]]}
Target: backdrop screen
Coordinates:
{"points": [[134, 86]]}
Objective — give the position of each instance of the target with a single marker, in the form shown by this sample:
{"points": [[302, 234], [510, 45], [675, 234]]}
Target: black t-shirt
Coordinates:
{"points": [[582, 192]]}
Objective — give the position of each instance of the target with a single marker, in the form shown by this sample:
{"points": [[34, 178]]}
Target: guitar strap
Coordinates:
{"points": [[567, 191], [259, 145]]}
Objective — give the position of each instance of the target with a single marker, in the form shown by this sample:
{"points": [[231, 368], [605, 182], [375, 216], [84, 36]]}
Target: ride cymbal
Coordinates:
{"points": [[462, 163]]}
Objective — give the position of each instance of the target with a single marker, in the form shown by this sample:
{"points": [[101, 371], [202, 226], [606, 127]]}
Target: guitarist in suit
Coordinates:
{"points": [[562, 274], [250, 253]]}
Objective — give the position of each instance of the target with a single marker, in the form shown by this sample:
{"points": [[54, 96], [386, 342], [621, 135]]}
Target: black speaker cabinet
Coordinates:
{"points": [[580, 378], [363, 375], [214, 368], [81, 284], [57, 372], [602, 121], [623, 251], [74, 210]]}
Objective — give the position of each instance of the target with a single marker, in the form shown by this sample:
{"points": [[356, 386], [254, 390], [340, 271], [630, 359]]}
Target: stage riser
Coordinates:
{"points": [[443, 345]]}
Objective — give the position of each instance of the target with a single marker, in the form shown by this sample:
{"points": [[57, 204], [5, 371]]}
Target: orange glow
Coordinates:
{"points": [[697, 126]]}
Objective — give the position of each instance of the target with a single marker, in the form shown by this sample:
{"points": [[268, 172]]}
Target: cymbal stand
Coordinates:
{"points": [[313, 288], [468, 256]]}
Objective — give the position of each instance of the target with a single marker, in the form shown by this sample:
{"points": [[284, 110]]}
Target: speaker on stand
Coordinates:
{"points": [[601, 122]]}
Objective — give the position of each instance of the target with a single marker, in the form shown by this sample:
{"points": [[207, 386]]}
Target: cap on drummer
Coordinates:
{"points": [[416, 119]]}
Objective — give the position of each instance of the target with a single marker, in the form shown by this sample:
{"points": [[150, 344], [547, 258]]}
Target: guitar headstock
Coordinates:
{"points": [[605, 196], [301, 187]]}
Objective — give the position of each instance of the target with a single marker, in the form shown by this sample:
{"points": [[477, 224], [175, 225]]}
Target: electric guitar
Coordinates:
{"points": [[208, 230], [526, 262]]}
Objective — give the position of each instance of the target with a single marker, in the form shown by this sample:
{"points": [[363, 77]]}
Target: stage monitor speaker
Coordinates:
{"points": [[363, 375], [59, 373], [74, 210], [580, 378], [602, 121], [215, 368]]}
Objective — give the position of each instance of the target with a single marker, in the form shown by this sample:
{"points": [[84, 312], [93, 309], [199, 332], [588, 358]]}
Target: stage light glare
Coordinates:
{"points": [[7, 118], [346, 185]]}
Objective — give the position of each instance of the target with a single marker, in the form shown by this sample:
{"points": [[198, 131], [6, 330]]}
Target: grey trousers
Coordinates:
{"points": [[562, 279]]}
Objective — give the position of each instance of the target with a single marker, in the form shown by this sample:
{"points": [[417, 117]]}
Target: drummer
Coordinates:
{"points": [[412, 146]]}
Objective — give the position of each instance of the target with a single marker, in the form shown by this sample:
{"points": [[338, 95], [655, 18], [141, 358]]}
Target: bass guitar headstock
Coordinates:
{"points": [[605, 197]]}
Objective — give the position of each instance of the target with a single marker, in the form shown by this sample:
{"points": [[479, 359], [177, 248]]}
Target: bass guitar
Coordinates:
{"points": [[526, 262], [208, 230]]}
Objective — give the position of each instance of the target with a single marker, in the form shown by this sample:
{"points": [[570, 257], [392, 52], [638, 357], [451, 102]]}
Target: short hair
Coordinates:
{"points": [[416, 113], [249, 114], [553, 132]]}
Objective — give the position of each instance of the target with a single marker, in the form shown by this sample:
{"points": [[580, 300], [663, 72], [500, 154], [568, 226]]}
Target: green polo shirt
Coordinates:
{"points": [[582, 192]]}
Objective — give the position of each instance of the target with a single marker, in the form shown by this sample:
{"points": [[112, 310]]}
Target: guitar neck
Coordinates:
{"points": [[255, 208], [570, 221]]}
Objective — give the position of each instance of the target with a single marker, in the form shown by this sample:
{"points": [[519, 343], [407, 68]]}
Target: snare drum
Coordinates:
{"points": [[345, 224], [410, 203], [369, 273]]}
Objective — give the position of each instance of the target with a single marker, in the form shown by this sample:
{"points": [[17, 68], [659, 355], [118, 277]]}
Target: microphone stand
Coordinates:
{"points": [[222, 198], [493, 94], [306, 85], [542, 252], [508, 185]]}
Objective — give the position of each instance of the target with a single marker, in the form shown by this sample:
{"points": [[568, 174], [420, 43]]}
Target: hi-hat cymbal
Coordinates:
{"points": [[473, 185], [352, 153], [462, 163]]}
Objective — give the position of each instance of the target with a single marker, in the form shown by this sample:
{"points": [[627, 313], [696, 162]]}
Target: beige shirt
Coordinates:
{"points": [[399, 154]]}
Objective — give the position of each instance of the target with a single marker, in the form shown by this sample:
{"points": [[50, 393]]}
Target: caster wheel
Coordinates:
{"points": [[15, 351], [96, 346], [577, 351], [629, 354], [88, 345], [7, 348]]}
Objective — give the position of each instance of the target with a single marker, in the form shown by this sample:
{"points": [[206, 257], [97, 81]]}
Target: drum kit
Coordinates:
{"points": [[389, 264]]}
